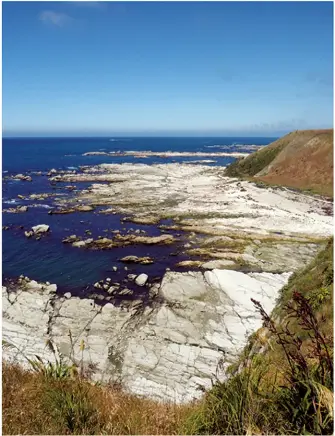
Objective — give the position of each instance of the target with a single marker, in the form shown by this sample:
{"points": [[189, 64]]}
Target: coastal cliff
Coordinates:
{"points": [[301, 159]]}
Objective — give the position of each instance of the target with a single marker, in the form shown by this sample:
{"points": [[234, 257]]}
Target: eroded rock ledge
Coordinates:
{"points": [[201, 197], [169, 351], [227, 223]]}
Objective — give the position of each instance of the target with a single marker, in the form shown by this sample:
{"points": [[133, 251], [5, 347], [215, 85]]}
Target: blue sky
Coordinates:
{"points": [[203, 68]]}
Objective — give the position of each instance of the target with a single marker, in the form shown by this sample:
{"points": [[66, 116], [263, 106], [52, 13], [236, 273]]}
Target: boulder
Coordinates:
{"points": [[22, 208], [70, 239], [18, 209], [41, 228], [51, 289], [34, 285], [61, 211], [141, 279], [82, 243], [112, 289], [84, 208], [135, 259], [126, 291], [22, 177], [130, 259], [189, 263]]}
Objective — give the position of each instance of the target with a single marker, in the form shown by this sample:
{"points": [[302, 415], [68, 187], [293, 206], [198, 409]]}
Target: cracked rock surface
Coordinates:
{"points": [[170, 351]]}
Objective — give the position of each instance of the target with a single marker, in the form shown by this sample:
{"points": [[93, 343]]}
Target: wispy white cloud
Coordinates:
{"points": [[58, 19], [279, 126], [89, 4]]}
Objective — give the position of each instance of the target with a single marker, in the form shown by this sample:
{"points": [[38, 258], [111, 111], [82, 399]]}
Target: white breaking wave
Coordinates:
{"points": [[45, 206], [165, 154], [244, 146]]}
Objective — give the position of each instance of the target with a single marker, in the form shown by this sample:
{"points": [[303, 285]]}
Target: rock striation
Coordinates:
{"points": [[170, 350]]}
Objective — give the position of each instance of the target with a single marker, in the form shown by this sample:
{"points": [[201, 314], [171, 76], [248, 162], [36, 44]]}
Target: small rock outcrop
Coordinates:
{"points": [[135, 259], [141, 279], [37, 231], [22, 177], [18, 209], [41, 228]]}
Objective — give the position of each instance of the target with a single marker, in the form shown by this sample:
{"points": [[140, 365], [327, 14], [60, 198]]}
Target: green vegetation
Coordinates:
{"points": [[178, 216], [255, 162], [315, 279], [283, 382], [263, 397], [301, 161]]}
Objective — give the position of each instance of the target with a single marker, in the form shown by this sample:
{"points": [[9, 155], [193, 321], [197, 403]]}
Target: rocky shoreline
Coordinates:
{"points": [[224, 220], [238, 240], [170, 350]]}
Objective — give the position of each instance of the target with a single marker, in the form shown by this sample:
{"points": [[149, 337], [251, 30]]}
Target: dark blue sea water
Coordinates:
{"points": [[72, 268]]}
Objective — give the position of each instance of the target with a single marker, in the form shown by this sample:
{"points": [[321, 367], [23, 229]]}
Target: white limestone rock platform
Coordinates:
{"points": [[169, 351]]}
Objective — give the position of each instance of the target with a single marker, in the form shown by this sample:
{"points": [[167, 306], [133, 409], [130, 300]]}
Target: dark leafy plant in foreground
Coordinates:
{"points": [[248, 403], [307, 398]]}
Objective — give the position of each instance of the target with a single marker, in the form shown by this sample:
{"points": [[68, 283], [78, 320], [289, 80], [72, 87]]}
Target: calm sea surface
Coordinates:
{"points": [[72, 268]]}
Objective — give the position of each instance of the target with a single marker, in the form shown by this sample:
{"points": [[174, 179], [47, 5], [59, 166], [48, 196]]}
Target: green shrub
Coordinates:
{"points": [[236, 407], [306, 400], [247, 404], [71, 407], [255, 162]]}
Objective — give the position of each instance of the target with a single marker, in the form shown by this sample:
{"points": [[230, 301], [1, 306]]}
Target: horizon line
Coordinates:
{"points": [[135, 136]]}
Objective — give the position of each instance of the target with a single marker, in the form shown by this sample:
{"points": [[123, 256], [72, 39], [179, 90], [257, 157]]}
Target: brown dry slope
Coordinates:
{"points": [[301, 159]]}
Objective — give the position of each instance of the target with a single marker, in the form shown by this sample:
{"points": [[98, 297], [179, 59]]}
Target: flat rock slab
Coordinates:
{"points": [[217, 264], [167, 352], [200, 192]]}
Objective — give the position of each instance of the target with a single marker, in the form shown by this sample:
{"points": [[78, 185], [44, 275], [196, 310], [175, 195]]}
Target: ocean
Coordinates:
{"points": [[76, 270]]}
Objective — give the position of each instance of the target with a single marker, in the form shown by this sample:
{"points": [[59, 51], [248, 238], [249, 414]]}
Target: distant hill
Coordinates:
{"points": [[301, 159]]}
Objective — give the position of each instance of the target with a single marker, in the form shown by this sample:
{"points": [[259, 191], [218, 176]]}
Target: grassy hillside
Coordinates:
{"points": [[301, 159], [283, 383]]}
